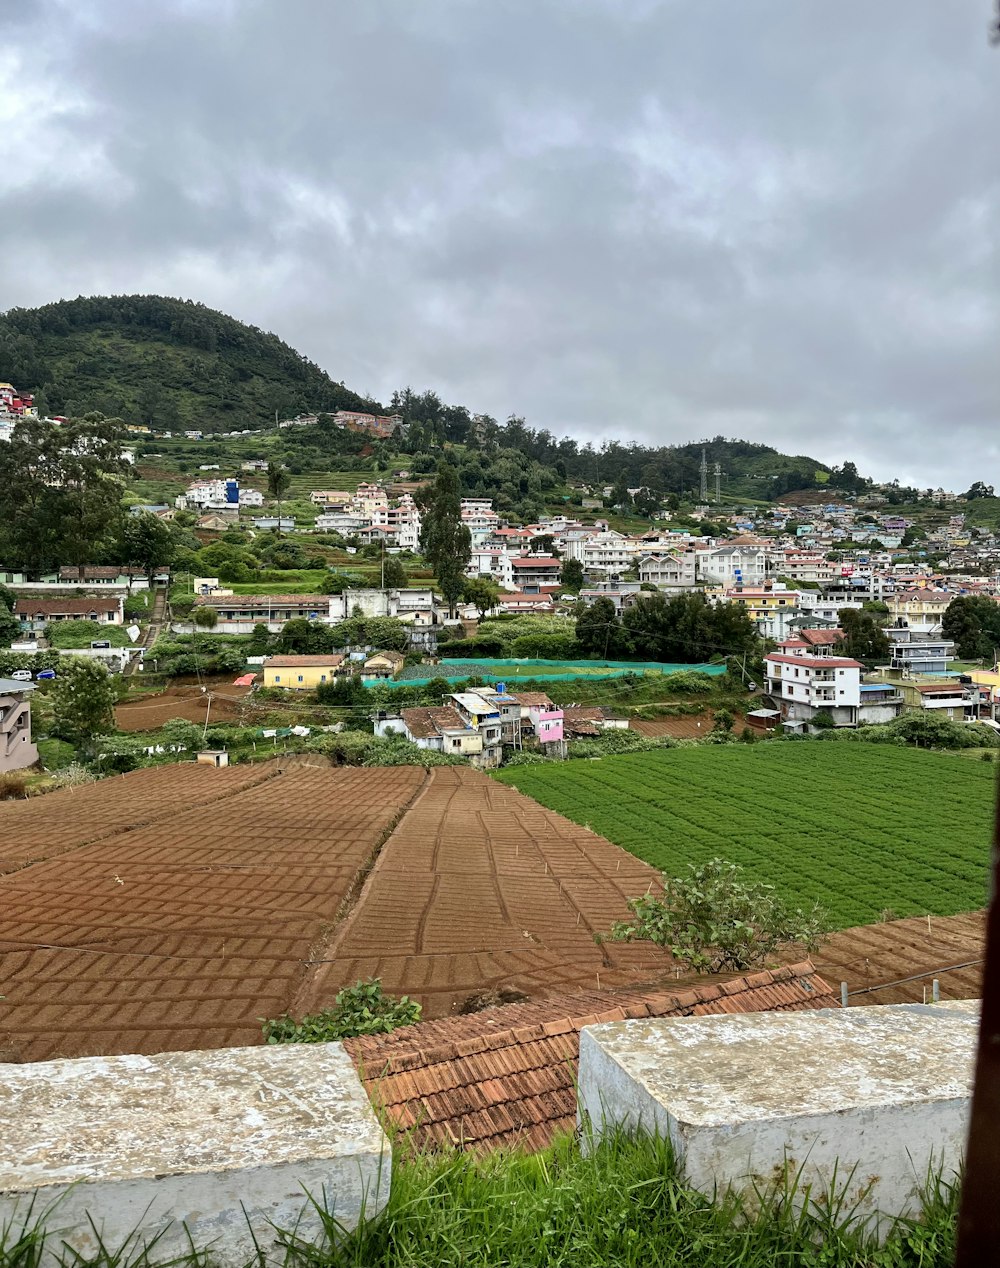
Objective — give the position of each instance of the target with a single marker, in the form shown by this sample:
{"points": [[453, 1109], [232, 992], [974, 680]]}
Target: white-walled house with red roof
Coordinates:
{"points": [[803, 685]]}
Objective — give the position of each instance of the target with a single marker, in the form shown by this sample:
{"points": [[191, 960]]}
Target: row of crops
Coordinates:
{"points": [[859, 828]]}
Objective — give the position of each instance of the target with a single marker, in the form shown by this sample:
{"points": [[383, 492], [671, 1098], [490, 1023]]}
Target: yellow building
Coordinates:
{"points": [[301, 673]]}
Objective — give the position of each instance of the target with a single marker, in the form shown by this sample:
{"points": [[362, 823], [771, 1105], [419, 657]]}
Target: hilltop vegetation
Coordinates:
{"points": [[174, 364], [165, 362]]}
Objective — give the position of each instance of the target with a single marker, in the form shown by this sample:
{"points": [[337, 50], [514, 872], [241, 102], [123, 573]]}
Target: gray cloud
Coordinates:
{"points": [[658, 220]]}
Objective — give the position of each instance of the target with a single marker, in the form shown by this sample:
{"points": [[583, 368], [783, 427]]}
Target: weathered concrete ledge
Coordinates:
{"points": [[227, 1143], [867, 1100]]}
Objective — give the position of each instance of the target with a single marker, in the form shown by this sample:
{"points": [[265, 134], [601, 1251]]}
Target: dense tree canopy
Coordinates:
{"points": [[62, 489], [973, 621], [863, 635]]}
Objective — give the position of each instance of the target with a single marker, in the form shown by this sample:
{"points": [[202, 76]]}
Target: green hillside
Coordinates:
{"points": [[178, 365], [166, 362]]}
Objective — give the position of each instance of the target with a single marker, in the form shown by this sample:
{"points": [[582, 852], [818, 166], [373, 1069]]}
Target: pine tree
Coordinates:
{"points": [[445, 541]]}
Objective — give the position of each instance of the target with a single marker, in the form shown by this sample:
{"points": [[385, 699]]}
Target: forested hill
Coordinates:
{"points": [[169, 362], [176, 364]]}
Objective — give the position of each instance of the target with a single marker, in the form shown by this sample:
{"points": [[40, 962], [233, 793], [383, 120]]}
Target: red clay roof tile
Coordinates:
{"points": [[505, 1077]]}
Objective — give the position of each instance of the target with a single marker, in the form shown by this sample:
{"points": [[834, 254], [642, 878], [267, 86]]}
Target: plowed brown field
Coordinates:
{"points": [[189, 703], [481, 887], [46, 826], [182, 932], [872, 958]]}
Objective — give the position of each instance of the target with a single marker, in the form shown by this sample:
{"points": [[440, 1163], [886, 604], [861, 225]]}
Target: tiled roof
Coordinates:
{"points": [[425, 723], [533, 699], [505, 1076], [235, 601], [294, 662], [817, 662], [821, 638], [48, 607]]}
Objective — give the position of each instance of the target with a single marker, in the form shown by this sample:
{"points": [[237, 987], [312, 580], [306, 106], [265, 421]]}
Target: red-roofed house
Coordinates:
{"points": [[811, 643], [532, 571], [803, 685]]}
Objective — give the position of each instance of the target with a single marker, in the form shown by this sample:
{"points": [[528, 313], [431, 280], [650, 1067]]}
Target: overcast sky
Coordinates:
{"points": [[773, 219]]}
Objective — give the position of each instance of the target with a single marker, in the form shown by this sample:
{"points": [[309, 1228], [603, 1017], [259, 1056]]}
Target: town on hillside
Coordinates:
{"points": [[497, 760]]}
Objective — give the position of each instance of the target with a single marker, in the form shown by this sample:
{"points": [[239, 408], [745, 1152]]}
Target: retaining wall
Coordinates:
{"points": [[864, 1100], [224, 1146]]}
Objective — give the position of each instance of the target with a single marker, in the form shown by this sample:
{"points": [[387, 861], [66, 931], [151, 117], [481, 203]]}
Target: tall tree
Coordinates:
{"points": [[83, 700], [572, 575], [278, 481], [598, 629], [146, 542], [481, 591], [864, 638], [62, 487], [445, 541], [687, 628], [973, 621]]}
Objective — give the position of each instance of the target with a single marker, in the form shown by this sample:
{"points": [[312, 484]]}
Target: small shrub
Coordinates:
{"points": [[12, 786], [361, 1009]]}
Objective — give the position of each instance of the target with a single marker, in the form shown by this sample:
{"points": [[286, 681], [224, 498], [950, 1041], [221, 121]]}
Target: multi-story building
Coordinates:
{"points": [[672, 571], [17, 750], [733, 565], [914, 653], [479, 518], [532, 571], [922, 609], [331, 499], [803, 686], [483, 715]]}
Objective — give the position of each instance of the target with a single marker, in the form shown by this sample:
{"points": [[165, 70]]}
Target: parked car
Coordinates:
{"points": [[21, 675]]}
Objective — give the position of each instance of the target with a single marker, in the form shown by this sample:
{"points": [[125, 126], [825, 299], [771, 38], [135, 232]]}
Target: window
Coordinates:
{"points": [[277, 677], [300, 677], [322, 677]]}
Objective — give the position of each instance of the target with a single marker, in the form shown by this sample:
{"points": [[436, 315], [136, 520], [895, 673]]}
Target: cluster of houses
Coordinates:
{"points": [[379, 426], [14, 406]]}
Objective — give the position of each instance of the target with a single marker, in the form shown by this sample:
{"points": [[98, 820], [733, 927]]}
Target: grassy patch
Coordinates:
{"points": [[623, 1206], [78, 635], [56, 754], [857, 829]]}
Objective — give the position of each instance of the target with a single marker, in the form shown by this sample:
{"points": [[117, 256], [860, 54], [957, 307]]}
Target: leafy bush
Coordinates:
{"points": [[138, 605], [525, 759], [361, 1009], [716, 921]]}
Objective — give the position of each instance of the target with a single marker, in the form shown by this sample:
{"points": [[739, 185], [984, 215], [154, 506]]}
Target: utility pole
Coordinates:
{"points": [[704, 477]]}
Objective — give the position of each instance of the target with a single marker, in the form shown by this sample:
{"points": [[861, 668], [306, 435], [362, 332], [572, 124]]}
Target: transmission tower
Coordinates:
{"points": [[718, 478], [704, 477]]}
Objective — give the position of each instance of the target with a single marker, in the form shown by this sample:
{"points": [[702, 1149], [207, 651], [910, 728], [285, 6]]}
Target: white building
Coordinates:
{"points": [[671, 571], [733, 565], [803, 686]]}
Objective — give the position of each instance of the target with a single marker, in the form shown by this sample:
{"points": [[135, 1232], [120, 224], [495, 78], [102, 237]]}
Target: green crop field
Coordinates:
{"points": [[856, 827]]}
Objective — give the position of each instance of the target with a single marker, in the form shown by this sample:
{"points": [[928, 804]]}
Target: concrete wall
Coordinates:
{"points": [[227, 1143], [867, 1098]]}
